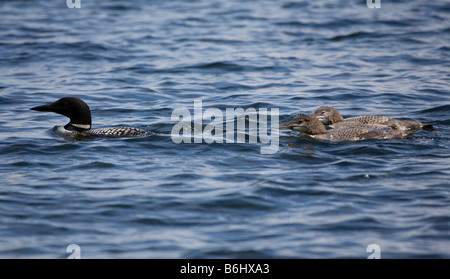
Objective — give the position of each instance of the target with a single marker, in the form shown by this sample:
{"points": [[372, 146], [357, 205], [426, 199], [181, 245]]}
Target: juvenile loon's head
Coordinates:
{"points": [[328, 115], [308, 124], [74, 108]]}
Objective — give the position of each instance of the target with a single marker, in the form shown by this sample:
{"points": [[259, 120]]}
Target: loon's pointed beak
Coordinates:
{"points": [[291, 126], [57, 107], [323, 119], [43, 108], [285, 127], [320, 117]]}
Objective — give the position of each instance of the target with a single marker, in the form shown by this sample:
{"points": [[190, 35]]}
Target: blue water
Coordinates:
{"points": [[135, 62]]}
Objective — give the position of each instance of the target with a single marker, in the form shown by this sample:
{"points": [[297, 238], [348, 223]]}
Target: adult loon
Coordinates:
{"points": [[330, 116], [80, 120], [312, 126]]}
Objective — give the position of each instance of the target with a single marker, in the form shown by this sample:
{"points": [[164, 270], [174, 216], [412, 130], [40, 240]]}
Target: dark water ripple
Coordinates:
{"points": [[134, 62]]}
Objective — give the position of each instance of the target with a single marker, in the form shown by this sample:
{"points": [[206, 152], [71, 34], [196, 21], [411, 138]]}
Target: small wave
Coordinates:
{"points": [[227, 66], [123, 6], [301, 4], [96, 165], [355, 35], [442, 108]]}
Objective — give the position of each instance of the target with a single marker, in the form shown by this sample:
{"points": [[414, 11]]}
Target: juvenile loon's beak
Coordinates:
{"points": [[292, 126], [323, 119], [320, 117], [285, 127]]}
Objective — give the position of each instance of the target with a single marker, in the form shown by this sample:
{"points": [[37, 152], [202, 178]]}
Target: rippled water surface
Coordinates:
{"points": [[135, 62]]}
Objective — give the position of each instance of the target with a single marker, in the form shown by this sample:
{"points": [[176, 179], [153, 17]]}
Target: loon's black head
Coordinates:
{"points": [[74, 108]]}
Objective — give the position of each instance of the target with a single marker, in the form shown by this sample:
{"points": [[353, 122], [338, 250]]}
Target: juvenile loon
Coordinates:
{"points": [[311, 125], [80, 119], [330, 116]]}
